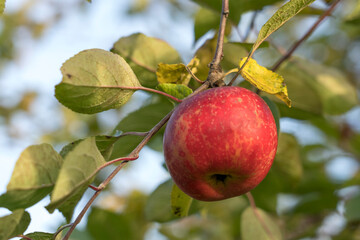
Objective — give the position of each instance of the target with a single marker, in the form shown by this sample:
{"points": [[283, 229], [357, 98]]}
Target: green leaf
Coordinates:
{"points": [[275, 112], [352, 208], [265, 80], [158, 207], [237, 7], [39, 236], [177, 90], [90, 79], [104, 224], [317, 89], [205, 20], [33, 177], [258, 226], [141, 120], [281, 16], [2, 6], [144, 54], [334, 89], [14, 224], [79, 168], [176, 73], [180, 202], [287, 163]]}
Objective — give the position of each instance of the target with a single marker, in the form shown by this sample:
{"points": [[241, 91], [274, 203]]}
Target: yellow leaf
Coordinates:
{"points": [[176, 73], [265, 80]]}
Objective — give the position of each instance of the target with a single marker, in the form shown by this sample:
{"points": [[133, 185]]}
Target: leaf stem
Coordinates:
{"points": [[307, 35], [146, 89], [25, 237], [193, 75], [258, 216]]}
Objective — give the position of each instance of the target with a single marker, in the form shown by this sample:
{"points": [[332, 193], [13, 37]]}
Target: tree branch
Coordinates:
{"points": [[307, 35], [215, 72]]}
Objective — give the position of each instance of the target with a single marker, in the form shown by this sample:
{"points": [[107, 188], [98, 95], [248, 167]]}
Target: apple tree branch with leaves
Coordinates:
{"points": [[219, 119]]}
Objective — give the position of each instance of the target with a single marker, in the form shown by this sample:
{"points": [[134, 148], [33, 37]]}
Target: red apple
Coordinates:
{"points": [[220, 143]]}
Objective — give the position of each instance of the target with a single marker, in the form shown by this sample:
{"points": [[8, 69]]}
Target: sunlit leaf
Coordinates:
{"points": [[281, 16], [79, 168], [33, 177], [14, 224], [265, 80], [177, 90], [39, 236], [143, 54], [176, 73], [258, 225], [90, 79], [180, 202]]}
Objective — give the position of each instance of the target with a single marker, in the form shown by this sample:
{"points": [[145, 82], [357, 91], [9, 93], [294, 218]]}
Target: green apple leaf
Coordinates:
{"points": [[281, 16], [158, 207], [275, 111], [14, 224], [90, 81], [177, 90], [33, 177], [258, 225], [316, 90], [41, 236], [79, 168], [287, 163], [143, 54], [352, 208], [176, 73], [265, 80], [141, 120], [180, 202]]}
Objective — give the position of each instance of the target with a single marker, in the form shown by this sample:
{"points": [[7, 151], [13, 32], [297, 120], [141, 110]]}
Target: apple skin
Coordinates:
{"points": [[220, 143]]}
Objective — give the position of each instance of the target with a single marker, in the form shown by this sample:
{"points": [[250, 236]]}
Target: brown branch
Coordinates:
{"points": [[215, 72], [307, 35], [258, 216]]}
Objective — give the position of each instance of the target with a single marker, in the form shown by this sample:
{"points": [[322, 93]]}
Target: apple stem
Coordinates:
{"points": [[258, 216]]}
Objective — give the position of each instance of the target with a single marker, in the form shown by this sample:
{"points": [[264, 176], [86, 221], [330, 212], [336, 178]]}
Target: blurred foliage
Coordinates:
{"points": [[300, 193]]}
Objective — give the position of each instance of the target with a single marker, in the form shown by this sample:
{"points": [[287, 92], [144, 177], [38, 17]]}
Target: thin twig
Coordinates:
{"points": [[307, 35], [258, 216], [193, 75]]}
